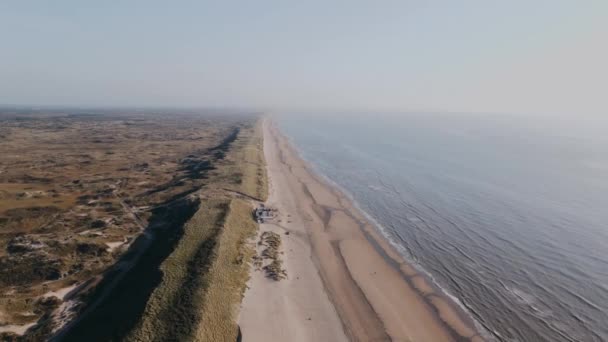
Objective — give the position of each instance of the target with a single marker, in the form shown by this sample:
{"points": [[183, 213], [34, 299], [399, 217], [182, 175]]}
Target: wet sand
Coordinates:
{"points": [[345, 281]]}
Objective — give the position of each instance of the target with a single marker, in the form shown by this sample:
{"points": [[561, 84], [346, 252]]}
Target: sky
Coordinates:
{"points": [[517, 56]]}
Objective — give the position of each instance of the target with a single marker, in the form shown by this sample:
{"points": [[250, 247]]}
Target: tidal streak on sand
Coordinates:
{"points": [[345, 281]]}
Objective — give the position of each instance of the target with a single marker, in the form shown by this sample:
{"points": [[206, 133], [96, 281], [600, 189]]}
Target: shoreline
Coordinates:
{"points": [[464, 312], [373, 292]]}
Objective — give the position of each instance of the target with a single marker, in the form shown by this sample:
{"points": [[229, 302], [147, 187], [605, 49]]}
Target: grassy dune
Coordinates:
{"points": [[172, 310], [227, 276], [245, 170], [204, 278]]}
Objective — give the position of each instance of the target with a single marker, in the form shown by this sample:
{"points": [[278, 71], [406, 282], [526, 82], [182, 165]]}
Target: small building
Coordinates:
{"points": [[264, 214]]}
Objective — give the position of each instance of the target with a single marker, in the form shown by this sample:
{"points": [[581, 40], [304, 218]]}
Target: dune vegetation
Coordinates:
{"points": [[204, 278], [157, 219]]}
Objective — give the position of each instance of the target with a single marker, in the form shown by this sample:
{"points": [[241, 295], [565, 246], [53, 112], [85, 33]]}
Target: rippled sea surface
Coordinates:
{"points": [[509, 214]]}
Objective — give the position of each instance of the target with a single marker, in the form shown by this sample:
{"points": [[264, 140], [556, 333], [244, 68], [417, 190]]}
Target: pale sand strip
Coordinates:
{"points": [[338, 282], [296, 308]]}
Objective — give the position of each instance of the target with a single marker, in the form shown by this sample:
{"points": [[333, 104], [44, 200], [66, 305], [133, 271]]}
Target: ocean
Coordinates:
{"points": [[507, 213]]}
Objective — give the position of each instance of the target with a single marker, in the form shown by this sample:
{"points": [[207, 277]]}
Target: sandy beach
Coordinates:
{"points": [[345, 281]]}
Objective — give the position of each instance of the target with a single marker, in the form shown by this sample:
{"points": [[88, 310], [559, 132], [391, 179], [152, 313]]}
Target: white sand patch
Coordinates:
{"points": [[90, 232], [64, 314], [61, 293], [17, 329], [113, 245]]}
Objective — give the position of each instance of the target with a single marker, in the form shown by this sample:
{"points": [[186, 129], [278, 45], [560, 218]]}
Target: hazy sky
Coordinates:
{"points": [[497, 56]]}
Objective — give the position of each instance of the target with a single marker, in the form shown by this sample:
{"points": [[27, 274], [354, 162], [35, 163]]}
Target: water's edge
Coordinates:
{"points": [[462, 309]]}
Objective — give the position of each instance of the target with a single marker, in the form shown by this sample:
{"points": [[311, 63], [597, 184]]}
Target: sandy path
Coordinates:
{"points": [[340, 285]]}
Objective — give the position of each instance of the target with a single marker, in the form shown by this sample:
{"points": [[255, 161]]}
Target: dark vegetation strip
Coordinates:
{"points": [[118, 302], [197, 167], [173, 312]]}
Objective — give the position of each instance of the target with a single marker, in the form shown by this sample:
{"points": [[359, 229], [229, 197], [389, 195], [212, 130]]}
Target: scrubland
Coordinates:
{"points": [[126, 226]]}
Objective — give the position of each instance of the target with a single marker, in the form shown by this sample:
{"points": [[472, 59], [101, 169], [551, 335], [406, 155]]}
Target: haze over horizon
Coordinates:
{"points": [[516, 57]]}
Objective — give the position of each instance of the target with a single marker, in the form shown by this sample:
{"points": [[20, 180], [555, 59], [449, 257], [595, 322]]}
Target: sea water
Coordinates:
{"points": [[507, 213]]}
